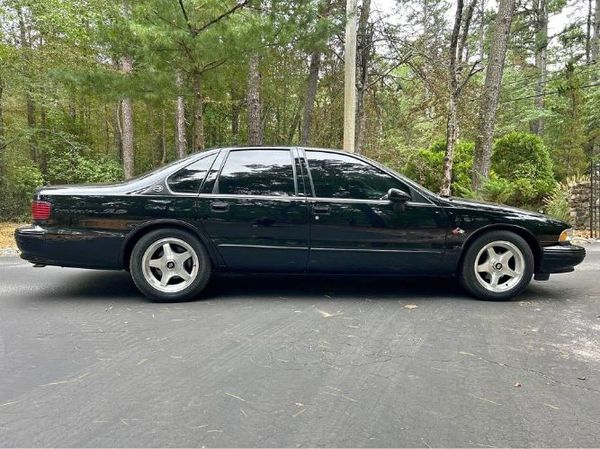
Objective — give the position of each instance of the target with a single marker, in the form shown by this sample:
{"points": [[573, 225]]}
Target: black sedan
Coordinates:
{"points": [[289, 210]]}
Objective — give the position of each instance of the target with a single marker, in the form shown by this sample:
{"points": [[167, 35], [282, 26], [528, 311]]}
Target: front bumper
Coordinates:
{"points": [[560, 258]]}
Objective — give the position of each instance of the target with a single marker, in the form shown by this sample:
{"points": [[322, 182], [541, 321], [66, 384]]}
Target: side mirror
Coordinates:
{"points": [[398, 196]]}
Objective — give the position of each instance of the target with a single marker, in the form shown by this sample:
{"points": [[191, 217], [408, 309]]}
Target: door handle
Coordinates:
{"points": [[321, 210], [219, 206]]}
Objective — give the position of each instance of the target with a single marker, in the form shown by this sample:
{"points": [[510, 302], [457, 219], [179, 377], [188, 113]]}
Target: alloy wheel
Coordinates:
{"points": [[499, 266], [170, 265]]}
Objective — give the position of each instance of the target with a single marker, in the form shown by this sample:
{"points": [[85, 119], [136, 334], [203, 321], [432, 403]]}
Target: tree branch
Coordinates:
{"points": [[239, 4]]}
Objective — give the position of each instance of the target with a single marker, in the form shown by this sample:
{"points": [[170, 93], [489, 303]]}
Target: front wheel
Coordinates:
{"points": [[497, 266], [170, 265]]}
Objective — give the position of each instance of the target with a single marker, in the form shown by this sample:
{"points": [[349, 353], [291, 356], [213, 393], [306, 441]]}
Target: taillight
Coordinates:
{"points": [[40, 210]]}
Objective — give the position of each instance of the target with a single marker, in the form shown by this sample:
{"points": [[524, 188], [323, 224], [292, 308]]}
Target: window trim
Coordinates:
{"points": [[353, 200], [216, 194], [199, 158]]}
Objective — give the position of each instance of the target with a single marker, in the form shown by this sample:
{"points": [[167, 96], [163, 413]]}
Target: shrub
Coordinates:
{"points": [[21, 180], [71, 167], [520, 192], [427, 166], [522, 159], [556, 204]]}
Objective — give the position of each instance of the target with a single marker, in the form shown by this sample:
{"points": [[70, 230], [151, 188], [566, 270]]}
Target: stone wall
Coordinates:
{"points": [[579, 205]]}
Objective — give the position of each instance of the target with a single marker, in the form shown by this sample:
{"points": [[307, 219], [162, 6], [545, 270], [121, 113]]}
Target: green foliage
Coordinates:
{"points": [[556, 204], [520, 192], [426, 167], [71, 168], [63, 84], [523, 167], [21, 179]]}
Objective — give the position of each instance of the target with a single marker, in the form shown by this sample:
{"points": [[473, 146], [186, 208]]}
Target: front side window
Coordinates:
{"points": [[339, 176], [257, 172], [189, 179]]}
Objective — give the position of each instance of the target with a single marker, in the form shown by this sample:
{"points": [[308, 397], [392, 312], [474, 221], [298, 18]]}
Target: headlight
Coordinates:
{"points": [[566, 236]]}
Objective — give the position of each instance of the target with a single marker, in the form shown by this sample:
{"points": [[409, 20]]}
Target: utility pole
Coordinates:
{"points": [[350, 77]]}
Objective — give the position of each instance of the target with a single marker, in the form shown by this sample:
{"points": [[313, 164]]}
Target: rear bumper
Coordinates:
{"points": [[69, 247], [561, 258]]}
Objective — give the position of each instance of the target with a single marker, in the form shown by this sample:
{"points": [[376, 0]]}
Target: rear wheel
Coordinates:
{"points": [[170, 265], [497, 266]]}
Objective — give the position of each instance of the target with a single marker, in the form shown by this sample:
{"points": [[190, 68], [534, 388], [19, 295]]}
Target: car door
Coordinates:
{"points": [[254, 211], [354, 228]]}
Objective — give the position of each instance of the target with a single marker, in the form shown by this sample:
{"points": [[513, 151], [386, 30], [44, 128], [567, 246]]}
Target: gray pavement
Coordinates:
{"points": [[262, 361]]}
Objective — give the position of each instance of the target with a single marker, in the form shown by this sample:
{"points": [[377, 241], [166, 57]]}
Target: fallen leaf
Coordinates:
{"points": [[517, 384], [410, 306]]}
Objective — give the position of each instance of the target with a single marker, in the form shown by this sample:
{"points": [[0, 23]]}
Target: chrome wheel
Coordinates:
{"points": [[170, 265], [499, 266]]}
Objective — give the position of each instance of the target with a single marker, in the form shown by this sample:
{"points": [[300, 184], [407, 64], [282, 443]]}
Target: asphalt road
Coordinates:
{"points": [[86, 361]]}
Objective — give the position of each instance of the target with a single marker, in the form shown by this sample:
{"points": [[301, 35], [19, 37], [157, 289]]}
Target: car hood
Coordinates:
{"points": [[501, 209]]}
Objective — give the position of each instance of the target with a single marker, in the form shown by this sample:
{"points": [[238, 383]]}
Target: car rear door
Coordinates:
{"points": [[255, 212], [354, 229]]}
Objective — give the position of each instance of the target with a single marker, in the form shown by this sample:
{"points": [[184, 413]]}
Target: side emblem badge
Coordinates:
{"points": [[458, 231], [157, 188]]}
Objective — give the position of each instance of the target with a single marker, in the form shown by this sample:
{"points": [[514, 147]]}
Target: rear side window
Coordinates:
{"points": [[257, 172], [190, 178], [339, 176]]}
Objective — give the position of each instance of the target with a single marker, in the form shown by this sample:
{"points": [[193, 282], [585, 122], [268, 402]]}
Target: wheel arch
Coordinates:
{"points": [[136, 234], [526, 234]]}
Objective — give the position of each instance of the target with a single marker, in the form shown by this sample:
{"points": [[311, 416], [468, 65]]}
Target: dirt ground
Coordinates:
{"points": [[7, 235]]}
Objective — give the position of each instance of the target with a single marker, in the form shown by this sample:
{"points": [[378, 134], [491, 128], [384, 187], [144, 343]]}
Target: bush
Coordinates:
{"points": [[427, 166], [556, 204], [520, 192], [21, 180], [72, 168], [524, 161]]}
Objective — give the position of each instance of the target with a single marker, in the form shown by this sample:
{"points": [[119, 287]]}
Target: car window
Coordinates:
{"points": [[339, 176], [189, 179], [257, 172]]}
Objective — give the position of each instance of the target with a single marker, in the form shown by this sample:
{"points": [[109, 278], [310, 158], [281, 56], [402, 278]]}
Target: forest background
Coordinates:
{"points": [[497, 100]]}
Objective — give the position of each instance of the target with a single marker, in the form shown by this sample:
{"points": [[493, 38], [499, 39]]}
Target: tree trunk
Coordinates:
{"points": [[181, 145], [481, 31], [1, 112], [254, 104], [595, 50], [451, 140], [595, 54], [127, 125], [119, 132], [365, 37], [452, 124], [235, 116], [541, 45], [463, 49], [588, 33], [29, 102], [198, 112], [491, 92], [163, 139], [311, 94], [2, 144]]}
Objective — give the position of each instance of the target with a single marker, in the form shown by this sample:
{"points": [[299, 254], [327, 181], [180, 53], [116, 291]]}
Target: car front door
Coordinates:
{"points": [[255, 212], [354, 228]]}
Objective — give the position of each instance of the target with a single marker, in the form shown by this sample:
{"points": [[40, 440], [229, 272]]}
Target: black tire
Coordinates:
{"points": [[147, 278], [473, 280]]}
